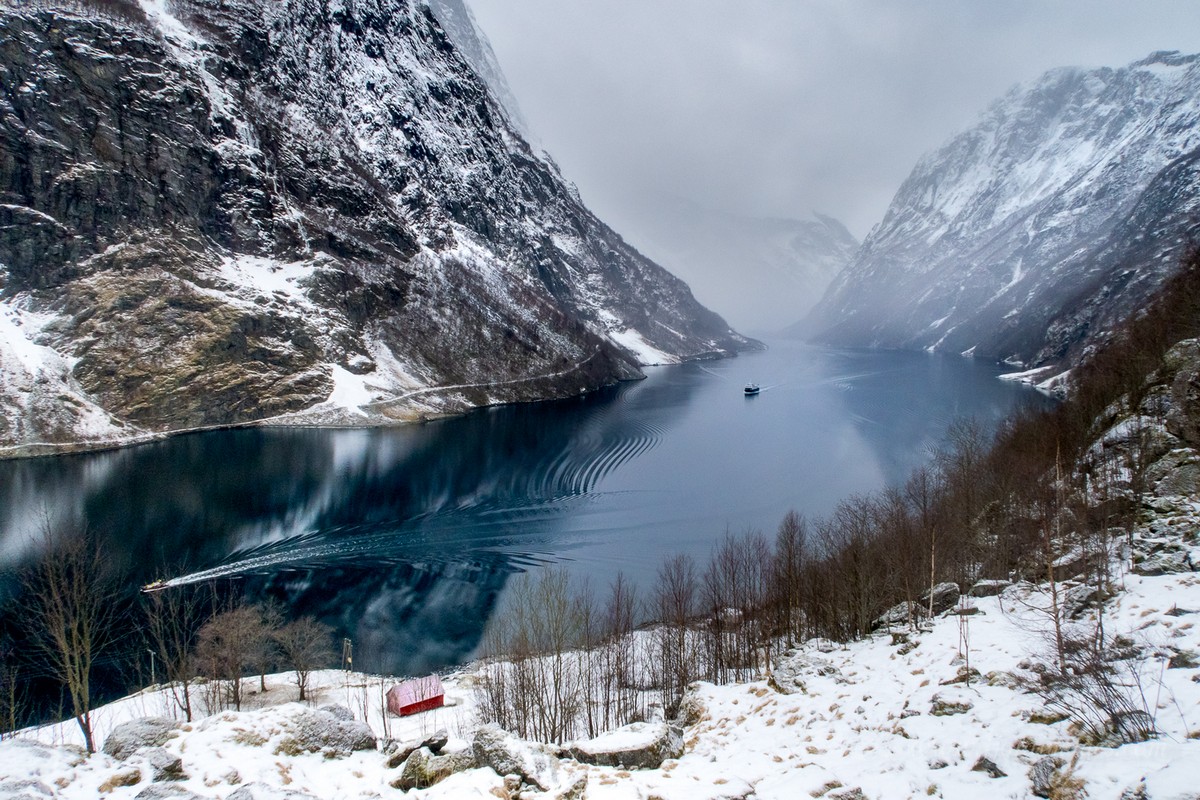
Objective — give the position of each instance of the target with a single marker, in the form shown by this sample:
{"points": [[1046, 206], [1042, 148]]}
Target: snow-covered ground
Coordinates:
{"points": [[863, 721]]}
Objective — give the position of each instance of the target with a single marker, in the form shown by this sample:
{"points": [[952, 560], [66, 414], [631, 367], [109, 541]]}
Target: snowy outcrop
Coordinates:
{"points": [[217, 213], [130, 737], [1032, 233], [534, 763], [639, 745]]}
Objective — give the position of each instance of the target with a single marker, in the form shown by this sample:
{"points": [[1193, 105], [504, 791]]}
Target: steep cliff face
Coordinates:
{"points": [[216, 212], [1030, 234]]}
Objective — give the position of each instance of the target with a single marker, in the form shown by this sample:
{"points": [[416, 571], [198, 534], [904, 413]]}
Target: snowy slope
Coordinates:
{"points": [[1059, 211], [294, 212], [864, 721]]}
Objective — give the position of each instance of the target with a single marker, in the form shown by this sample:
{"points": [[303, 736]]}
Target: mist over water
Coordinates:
{"points": [[405, 538]]}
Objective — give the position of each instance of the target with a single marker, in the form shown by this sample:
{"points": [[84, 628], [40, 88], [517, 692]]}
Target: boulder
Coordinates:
{"points": [[26, 789], [1134, 792], [338, 711], [1161, 555], [946, 704], [1183, 417], [262, 791], [945, 595], [398, 752], [790, 672], [508, 755], [988, 588], [423, 768], [1177, 474], [1042, 775], [987, 766], [164, 766], [641, 745], [1077, 599], [167, 791], [691, 708], [318, 731], [129, 737], [899, 614]]}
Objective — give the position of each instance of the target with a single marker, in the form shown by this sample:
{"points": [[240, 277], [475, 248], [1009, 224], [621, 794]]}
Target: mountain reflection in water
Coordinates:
{"points": [[404, 538]]}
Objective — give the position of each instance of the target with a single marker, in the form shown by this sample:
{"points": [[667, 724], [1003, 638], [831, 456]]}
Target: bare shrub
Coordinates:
{"points": [[1100, 689]]}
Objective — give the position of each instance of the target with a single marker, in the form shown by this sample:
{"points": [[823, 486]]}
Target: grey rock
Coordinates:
{"points": [[314, 731], [398, 752], [1183, 418], [508, 755], [1176, 474], [423, 769], [987, 766], [128, 737], [946, 705], [339, 712], [1135, 792], [988, 588], [847, 794], [1077, 599], [164, 766], [26, 789], [899, 614], [262, 791], [167, 791], [790, 673], [945, 596], [576, 791], [1041, 776], [691, 708], [656, 742]]}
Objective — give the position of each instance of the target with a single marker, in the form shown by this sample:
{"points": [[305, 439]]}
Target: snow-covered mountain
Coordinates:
{"points": [[760, 273], [216, 212], [1030, 234], [460, 25]]}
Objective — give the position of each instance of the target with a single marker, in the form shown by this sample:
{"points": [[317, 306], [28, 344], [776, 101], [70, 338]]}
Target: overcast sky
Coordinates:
{"points": [[781, 107]]}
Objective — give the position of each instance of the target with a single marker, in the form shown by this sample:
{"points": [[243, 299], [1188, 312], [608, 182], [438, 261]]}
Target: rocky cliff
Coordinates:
{"points": [[216, 212], [1033, 232]]}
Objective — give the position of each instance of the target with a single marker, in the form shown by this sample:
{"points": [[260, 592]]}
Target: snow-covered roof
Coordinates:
{"points": [[417, 690]]}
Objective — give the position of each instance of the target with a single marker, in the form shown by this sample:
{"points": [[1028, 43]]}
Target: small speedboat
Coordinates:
{"points": [[154, 586], [752, 389]]}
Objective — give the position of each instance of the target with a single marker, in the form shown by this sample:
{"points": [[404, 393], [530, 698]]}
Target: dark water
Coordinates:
{"points": [[404, 538]]}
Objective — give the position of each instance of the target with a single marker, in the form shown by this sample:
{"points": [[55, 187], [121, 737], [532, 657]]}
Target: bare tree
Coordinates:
{"points": [[12, 697], [675, 603], [71, 605], [173, 621], [228, 645], [791, 558], [306, 645]]}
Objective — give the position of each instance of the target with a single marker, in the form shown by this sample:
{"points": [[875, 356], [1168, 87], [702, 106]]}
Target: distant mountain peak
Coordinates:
{"points": [[1009, 241]]}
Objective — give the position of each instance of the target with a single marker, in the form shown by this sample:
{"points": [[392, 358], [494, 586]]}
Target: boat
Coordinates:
{"points": [[752, 389], [154, 586]]}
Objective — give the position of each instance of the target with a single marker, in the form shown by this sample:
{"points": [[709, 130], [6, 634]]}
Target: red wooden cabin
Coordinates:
{"points": [[415, 696]]}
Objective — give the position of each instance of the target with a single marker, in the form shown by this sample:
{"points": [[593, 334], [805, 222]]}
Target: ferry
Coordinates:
{"points": [[752, 389]]}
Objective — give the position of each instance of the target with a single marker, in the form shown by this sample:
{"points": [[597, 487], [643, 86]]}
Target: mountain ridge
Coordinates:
{"points": [[305, 212], [989, 240]]}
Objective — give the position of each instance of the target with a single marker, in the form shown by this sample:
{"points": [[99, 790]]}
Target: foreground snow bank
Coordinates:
{"points": [[887, 717]]}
